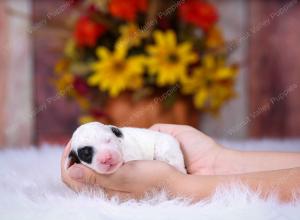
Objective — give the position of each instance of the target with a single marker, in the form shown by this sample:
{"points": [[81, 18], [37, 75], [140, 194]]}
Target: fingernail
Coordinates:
{"points": [[76, 173]]}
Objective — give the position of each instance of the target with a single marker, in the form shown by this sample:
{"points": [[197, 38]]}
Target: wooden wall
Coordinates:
{"points": [[56, 118], [274, 69]]}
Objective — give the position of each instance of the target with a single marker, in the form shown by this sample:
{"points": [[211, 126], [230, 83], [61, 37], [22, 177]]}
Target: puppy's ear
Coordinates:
{"points": [[117, 131]]}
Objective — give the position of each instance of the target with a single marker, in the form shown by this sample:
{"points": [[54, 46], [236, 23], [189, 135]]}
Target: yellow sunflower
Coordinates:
{"points": [[168, 59], [212, 84], [131, 34], [115, 72]]}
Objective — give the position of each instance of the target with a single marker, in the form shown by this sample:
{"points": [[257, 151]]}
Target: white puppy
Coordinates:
{"points": [[105, 148]]}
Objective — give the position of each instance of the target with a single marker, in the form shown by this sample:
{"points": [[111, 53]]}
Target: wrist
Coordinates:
{"points": [[194, 187], [206, 162], [175, 182], [228, 162], [218, 161]]}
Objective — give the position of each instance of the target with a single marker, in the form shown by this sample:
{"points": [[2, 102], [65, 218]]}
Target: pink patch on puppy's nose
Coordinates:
{"points": [[108, 161], [105, 158]]}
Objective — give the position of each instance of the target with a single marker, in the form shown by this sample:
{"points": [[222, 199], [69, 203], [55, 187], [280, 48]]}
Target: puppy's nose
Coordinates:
{"points": [[106, 158]]}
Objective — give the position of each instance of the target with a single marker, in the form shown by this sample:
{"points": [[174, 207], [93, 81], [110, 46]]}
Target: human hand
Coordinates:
{"points": [[132, 180], [201, 153]]}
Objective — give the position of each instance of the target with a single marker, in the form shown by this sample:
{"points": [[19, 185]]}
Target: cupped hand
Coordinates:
{"points": [[132, 180], [135, 178], [200, 151]]}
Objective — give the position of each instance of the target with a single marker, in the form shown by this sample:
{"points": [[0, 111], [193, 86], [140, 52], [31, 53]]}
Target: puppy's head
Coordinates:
{"points": [[97, 146]]}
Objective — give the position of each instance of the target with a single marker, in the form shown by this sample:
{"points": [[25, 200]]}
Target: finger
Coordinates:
{"points": [[73, 184], [121, 180], [62, 164], [66, 151], [124, 196], [85, 175], [171, 129], [64, 158], [162, 127], [109, 193]]}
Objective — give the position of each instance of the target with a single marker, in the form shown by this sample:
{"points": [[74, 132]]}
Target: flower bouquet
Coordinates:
{"points": [[137, 62]]}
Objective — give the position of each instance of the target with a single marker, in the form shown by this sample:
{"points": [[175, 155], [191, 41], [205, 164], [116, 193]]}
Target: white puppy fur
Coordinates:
{"points": [[123, 145]]}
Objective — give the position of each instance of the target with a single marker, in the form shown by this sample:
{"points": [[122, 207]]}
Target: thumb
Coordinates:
{"points": [[161, 127], [85, 175]]}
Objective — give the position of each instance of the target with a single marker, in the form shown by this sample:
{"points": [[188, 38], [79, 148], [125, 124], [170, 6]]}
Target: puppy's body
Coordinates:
{"points": [[105, 148], [144, 144]]}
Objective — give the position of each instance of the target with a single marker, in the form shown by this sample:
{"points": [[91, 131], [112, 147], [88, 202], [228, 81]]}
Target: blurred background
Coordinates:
{"points": [[230, 68]]}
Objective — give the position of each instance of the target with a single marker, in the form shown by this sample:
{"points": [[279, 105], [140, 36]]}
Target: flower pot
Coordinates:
{"points": [[125, 111]]}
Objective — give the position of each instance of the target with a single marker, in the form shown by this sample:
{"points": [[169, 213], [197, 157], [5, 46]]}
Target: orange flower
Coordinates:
{"points": [[87, 32], [199, 13], [127, 10]]}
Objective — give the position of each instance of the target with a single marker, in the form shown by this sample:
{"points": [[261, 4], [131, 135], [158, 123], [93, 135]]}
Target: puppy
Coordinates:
{"points": [[105, 148]]}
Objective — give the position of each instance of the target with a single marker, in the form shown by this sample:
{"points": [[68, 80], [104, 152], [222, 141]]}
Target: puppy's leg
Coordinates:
{"points": [[167, 149]]}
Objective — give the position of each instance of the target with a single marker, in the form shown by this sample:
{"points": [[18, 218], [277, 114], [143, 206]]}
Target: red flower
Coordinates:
{"points": [[127, 10], [80, 86], [87, 31], [199, 13]]}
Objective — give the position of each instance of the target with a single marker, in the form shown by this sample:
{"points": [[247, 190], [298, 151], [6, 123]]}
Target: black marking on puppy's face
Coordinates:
{"points": [[73, 158], [86, 154], [117, 132]]}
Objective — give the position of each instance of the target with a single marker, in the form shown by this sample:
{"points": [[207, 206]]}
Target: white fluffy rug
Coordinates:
{"points": [[30, 188]]}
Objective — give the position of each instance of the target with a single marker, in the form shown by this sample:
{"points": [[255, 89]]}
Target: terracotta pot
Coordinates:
{"points": [[124, 111]]}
